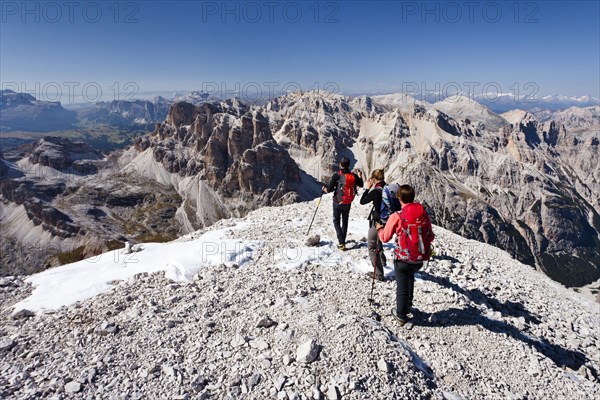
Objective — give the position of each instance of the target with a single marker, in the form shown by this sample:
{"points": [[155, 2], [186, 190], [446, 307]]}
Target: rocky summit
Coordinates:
{"points": [[273, 318]]}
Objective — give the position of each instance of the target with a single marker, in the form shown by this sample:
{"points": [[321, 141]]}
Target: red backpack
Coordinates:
{"points": [[414, 234], [346, 188]]}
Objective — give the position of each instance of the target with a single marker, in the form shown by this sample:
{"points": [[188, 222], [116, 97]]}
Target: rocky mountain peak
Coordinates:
{"points": [[227, 148], [183, 113], [22, 111], [578, 119], [518, 116], [234, 106], [9, 98], [462, 107], [390, 102], [63, 154]]}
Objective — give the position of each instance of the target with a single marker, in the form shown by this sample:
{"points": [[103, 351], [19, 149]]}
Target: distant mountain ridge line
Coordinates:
{"points": [[143, 111]]}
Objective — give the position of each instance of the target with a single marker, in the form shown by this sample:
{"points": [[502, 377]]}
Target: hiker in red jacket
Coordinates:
{"points": [[414, 234], [344, 184]]}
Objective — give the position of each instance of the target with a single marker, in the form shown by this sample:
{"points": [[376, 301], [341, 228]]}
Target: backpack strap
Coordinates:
{"points": [[385, 199]]}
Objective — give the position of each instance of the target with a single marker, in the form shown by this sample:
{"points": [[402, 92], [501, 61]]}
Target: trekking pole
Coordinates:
{"points": [[315, 214], [372, 286]]}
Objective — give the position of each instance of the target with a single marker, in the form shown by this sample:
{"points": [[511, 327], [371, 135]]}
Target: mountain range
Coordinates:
{"points": [[124, 112], [501, 102], [23, 112], [525, 183]]}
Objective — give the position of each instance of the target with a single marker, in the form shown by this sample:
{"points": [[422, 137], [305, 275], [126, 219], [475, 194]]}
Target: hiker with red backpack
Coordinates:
{"points": [[385, 202], [344, 183], [414, 235]]}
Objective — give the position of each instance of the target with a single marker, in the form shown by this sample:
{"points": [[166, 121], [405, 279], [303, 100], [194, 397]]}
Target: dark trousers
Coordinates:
{"points": [[376, 253], [341, 212], [405, 285]]}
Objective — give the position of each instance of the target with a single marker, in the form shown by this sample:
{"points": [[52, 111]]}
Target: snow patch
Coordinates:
{"points": [[78, 281]]}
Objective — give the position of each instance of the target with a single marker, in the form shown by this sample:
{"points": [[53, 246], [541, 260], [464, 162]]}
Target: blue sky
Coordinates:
{"points": [[354, 46]]}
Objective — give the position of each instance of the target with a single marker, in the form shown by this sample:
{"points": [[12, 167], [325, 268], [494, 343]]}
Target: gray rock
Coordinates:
{"points": [[153, 369], [280, 382], [203, 395], [451, 396], [585, 372], [235, 380], [254, 380], [307, 352], [265, 363], [454, 365], [21, 314], [168, 370], [91, 375], [259, 344], [7, 282], [333, 393], [287, 360], [199, 349], [6, 344], [141, 275], [294, 396], [265, 322], [383, 365], [534, 367], [313, 241], [282, 396], [353, 385], [107, 328], [520, 323], [132, 313], [73, 387], [238, 341], [316, 394]]}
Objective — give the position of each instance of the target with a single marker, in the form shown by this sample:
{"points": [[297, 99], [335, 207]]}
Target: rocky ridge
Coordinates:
{"points": [[527, 186], [223, 161], [576, 118], [63, 201], [125, 112], [520, 182], [204, 163]]}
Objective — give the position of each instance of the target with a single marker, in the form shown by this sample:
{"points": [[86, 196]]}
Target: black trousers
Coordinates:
{"points": [[341, 212], [376, 253], [405, 285]]}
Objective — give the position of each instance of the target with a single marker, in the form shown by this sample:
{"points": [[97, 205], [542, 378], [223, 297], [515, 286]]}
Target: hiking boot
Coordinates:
{"points": [[379, 278], [401, 321], [342, 247]]}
